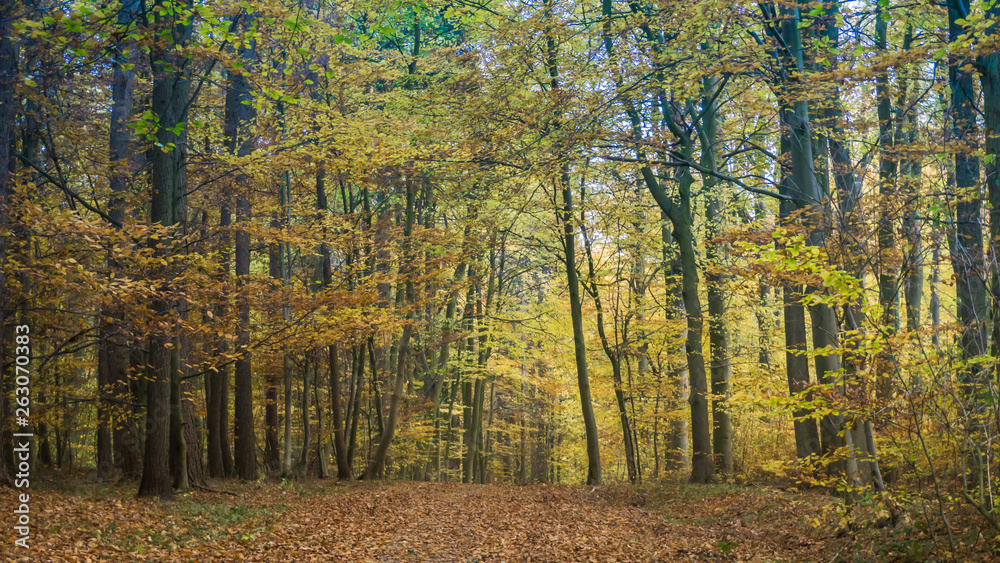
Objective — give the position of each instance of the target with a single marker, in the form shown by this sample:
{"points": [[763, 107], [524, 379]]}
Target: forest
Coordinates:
{"points": [[350, 279]]}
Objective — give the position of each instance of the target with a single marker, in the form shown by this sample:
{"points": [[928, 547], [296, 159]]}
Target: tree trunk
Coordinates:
{"points": [[968, 260], [565, 216], [178, 446], [377, 464], [170, 98], [613, 354], [240, 141], [272, 450], [678, 454], [344, 472], [303, 465], [718, 333], [192, 436], [989, 76], [339, 439], [112, 353], [679, 213], [888, 273], [105, 462], [220, 459], [808, 197]]}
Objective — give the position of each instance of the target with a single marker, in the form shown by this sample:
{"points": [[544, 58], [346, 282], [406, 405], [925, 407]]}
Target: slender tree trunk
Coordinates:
{"points": [[806, 193], [113, 352], [376, 465], [220, 458], [718, 335], [796, 362], [192, 433], [934, 306], [613, 354], [239, 140], [914, 280], [565, 216], [105, 462], [276, 269], [178, 446], [307, 379], [339, 440], [679, 213], [322, 470], [888, 274], [344, 472]]}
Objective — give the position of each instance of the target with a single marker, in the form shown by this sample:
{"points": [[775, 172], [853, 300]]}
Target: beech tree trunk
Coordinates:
{"points": [[171, 93], [272, 449], [565, 217], [805, 192], [888, 273], [614, 357], [989, 76], [220, 458], [376, 465], [966, 248], [678, 453], [112, 353], [718, 333], [240, 141]]}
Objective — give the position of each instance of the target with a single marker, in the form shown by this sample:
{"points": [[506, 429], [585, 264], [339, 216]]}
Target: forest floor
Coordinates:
{"points": [[362, 522]]}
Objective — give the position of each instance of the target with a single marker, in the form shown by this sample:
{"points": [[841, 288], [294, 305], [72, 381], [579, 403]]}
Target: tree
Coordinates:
{"points": [[170, 98], [239, 141]]}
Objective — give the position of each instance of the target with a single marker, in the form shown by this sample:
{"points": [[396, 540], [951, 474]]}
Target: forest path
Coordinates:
{"points": [[507, 523], [433, 522], [465, 523]]}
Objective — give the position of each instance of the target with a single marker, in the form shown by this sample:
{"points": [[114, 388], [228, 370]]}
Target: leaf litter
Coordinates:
{"points": [[432, 522]]}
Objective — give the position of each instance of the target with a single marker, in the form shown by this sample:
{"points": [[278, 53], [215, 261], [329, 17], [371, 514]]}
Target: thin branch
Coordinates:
{"points": [[724, 177], [69, 192]]}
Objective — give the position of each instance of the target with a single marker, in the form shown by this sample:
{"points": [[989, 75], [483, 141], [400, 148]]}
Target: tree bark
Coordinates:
{"points": [[240, 141], [272, 450], [968, 260], [565, 216], [220, 459], [245, 439], [989, 76], [888, 272], [171, 88], [808, 198], [679, 213], [718, 333]]}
